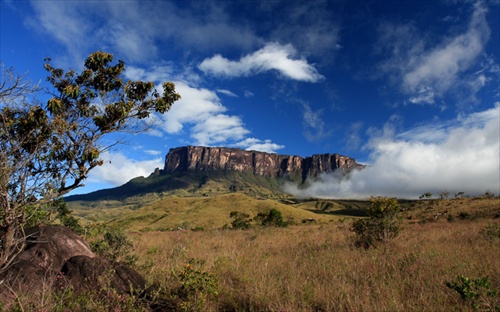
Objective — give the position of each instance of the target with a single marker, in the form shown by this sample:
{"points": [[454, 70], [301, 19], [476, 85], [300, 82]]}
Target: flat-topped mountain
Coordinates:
{"points": [[200, 158], [209, 171]]}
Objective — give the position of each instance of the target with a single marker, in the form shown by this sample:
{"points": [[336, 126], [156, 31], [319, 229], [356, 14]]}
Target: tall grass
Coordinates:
{"points": [[312, 267], [316, 268]]}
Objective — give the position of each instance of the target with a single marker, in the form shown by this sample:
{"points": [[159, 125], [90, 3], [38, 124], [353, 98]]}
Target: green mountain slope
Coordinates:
{"points": [[206, 212], [190, 183]]}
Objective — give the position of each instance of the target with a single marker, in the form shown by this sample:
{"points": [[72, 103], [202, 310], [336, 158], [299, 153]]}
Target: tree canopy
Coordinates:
{"points": [[47, 149]]}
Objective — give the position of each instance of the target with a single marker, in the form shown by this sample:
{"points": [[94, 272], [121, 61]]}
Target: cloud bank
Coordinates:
{"points": [[459, 156], [271, 57]]}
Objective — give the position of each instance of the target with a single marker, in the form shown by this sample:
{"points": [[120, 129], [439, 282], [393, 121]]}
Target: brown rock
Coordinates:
{"points": [[86, 273], [265, 164], [56, 257], [50, 246]]}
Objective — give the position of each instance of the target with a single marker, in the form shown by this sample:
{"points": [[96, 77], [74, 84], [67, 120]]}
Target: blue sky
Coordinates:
{"points": [[410, 88]]}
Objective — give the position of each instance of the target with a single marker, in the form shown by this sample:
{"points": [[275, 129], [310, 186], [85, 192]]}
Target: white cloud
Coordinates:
{"points": [[462, 155], [118, 169], [218, 129], [428, 73], [253, 144], [272, 57], [425, 95], [153, 152], [199, 112], [226, 92], [137, 29], [196, 106]]}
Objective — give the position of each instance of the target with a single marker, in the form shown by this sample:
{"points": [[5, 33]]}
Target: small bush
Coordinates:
{"points": [[67, 219], [273, 218], [478, 292], [197, 286], [491, 231], [381, 225], [464, 216], [240, 221], [111, 243]]}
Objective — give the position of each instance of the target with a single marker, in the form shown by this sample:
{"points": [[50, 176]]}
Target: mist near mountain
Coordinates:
{"points": [[461, 156]]}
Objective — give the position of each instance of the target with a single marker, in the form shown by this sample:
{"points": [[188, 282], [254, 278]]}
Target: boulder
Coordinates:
{"points": [[86, 273], [56, 257]]}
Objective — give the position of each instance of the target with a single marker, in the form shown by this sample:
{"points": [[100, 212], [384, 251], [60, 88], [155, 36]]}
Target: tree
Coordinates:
{"points": [[381, 225], [426, 195], [47, 150]]}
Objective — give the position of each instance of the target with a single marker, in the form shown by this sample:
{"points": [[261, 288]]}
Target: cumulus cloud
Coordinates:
{"points": [[118, 169], [273, 56], [457, 156], [196, 106], [428, 73], [253, 144], [219, 129], [200, 112]]}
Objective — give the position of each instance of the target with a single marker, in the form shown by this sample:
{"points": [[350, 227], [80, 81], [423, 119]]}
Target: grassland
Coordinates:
{"points": [[305, 266], [316, 267]]}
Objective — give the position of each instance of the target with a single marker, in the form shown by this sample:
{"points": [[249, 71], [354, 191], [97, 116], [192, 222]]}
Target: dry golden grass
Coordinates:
{"points": [[205, 212], [311, 267], [316, 267]]}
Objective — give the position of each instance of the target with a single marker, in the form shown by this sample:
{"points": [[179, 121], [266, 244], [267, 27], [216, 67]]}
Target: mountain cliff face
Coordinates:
{"points": [[201, 158]]}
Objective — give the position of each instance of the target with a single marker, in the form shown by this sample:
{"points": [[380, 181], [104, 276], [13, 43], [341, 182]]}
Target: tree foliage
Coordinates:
{"points": [[47, 150], [381, 225]]}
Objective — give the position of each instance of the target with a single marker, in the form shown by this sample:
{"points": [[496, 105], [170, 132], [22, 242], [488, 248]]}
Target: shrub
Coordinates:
{"points": [[444, 195], [197, 285], [111, 243], [273, 218], [489, 195], [478, 292], [381, 225], [240, 220], [491, 231], [67, 219]]}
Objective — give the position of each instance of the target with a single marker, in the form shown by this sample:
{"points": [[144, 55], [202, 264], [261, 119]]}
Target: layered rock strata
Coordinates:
{"points": [[271, 165]]}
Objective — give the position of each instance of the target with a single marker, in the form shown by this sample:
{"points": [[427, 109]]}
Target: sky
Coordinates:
{"points": [[409, 88]]}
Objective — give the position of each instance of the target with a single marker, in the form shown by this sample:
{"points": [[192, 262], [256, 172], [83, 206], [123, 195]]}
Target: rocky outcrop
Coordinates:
{"points": [[265, 164], [56, 258]]}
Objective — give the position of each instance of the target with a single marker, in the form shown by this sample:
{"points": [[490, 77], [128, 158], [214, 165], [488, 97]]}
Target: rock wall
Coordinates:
{"points": [[202, 158]]}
